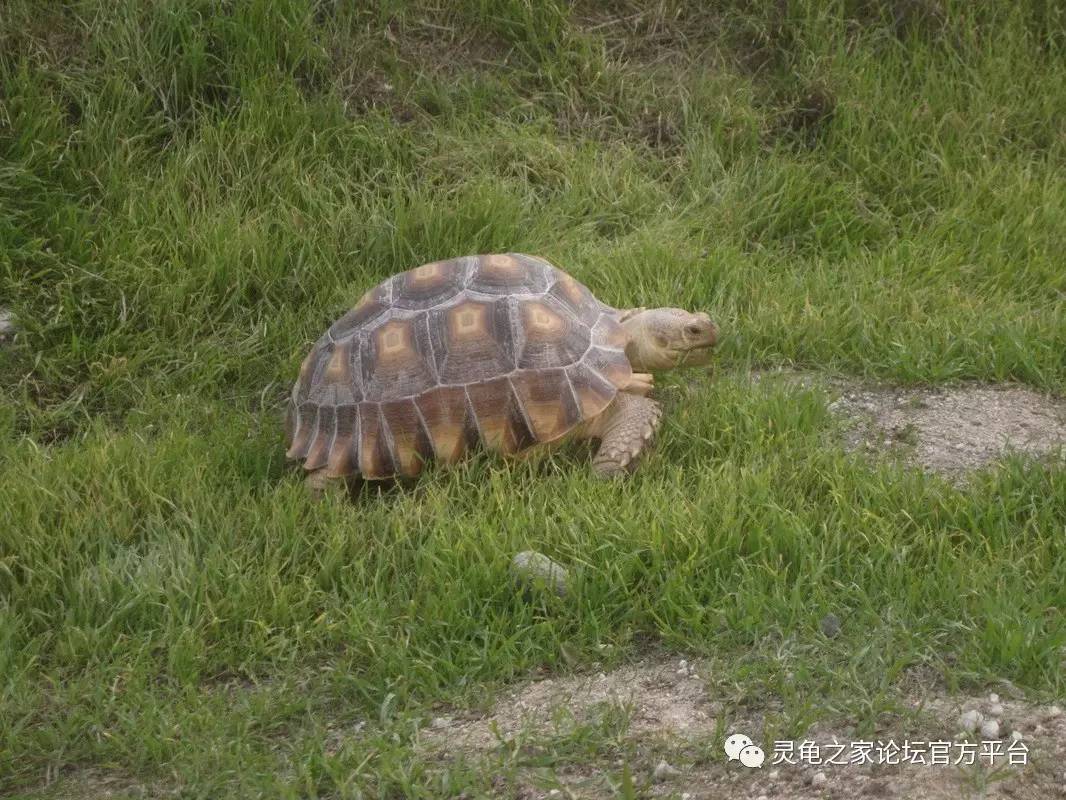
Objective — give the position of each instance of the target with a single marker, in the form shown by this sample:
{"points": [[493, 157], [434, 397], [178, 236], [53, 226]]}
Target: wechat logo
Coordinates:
{"points": [[740, 748]]}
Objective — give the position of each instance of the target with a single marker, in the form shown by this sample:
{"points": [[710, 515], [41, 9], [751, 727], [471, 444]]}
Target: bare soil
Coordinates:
{"points": [[953, 430], [948, 430], [674, 716]]}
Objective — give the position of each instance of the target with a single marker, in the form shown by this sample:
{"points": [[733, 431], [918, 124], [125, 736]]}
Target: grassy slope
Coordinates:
{"points": [[189, 196]]}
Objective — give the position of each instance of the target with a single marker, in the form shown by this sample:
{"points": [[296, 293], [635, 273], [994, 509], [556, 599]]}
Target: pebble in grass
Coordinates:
{"points": [[830, 626], [664, 771], [970, 721], [532, 569], [8, 327]]}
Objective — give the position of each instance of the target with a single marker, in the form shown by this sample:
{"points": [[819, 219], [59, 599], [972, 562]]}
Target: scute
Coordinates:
{"points": [[549, 335], [429, 285], [503, 350]]}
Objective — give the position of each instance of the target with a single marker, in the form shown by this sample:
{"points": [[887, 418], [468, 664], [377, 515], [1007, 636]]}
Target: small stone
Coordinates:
{"points": [[1053, 712], [818, 779], [996, 709], [830, 625], [970, 721], [762, 797], [8, 326], [774, 774], [665, 772], [993, 698], [555, 793], [990, 729], [1016, 736], [439, 722], [530, 568]]}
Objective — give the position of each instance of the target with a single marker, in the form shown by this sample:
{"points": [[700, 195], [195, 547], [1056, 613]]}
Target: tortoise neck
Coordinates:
{"points": [[634, 324]]}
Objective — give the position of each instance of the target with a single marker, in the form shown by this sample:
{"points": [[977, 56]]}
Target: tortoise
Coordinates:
{"points": [[505, 350]]}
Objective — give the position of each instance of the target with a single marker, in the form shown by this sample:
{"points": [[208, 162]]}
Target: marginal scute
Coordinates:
{"points": [[611, 364], [548, 403], [410, 441], [318, 449], [498, 351], [499, 416], [375, 454], [593, 392], [451, 428], [339, 461]]}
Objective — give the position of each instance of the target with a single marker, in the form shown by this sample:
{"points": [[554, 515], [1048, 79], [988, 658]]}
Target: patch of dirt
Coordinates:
{"points": [[660, 699], [954, 430], [673, 717], [651, 35], [948, 430], [95, 784], [424, 46], [806, 116]]}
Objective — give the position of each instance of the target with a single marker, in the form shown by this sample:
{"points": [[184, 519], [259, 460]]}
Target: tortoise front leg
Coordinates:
{"points": [[641, 383], [319, 483], [624, 429]]}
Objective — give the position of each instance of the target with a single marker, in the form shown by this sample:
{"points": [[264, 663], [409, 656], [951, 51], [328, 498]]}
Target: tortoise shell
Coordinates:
{"points": [[505, 350]]}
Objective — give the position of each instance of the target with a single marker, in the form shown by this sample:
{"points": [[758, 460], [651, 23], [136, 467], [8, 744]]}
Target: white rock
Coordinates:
{"points": [[993, 698], [774, 774], [439, 722], [990, 729], [818, 779], [1053, 712], [1016, 736], [970, 721], [665, 772], [8, 326], [762, 797], [530, 568], [996, 709]]}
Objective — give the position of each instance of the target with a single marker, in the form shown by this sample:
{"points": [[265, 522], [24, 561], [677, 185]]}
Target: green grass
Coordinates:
{"points": [[191, 191]]}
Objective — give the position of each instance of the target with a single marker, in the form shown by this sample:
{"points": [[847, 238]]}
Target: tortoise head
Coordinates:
{"points": [[664, 338]]}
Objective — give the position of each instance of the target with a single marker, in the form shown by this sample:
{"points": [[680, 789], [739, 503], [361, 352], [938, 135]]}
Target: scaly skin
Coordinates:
{"points": [[624, 429]]}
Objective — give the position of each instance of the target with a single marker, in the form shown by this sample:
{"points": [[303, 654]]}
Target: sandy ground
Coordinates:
{"points": [[674, 716], [947, 430]]}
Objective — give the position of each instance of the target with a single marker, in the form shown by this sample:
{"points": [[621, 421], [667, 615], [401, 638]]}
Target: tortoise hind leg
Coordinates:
{"points": [[625, 428], [319, 483]]}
